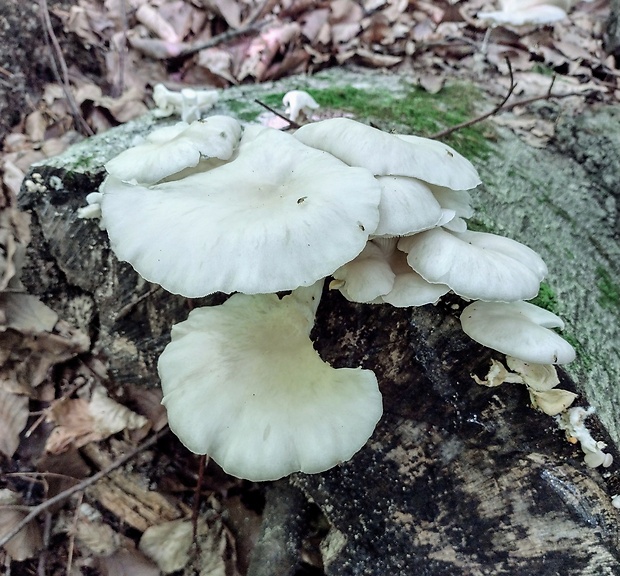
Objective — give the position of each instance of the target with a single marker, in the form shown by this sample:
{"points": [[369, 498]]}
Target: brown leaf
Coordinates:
{"points": [[13, 418], [168, 544], [25, 313], [127, 563], [80, 421], [27, 542]]}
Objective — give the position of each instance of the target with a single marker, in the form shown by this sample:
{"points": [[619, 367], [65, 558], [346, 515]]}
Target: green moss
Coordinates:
{"points": [[243, 110], [609, 291], [416, 111], [477, 225], [586, 360], [546, 298], [542, 69]]}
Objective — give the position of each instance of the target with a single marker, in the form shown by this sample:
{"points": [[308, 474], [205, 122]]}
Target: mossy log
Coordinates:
{"points": [[457, 479]]}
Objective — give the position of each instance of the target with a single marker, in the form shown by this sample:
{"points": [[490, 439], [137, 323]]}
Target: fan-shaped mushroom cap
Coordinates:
{"points": [[279, 216], [475, 265], [243, 384], [390, 155], [518, 329], [366, 277], [409, 288], [381, 274], [457, 201], [171, 149], [407, 206]]}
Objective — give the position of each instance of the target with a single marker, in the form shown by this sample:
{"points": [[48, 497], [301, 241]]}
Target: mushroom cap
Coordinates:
{"points": [[390, 155], [475, 265], [381, 274], [534, 12], [243, 383], [298, 103], [169, 150], [518, 329], [407, 206], [367, 277], [279, 216]]}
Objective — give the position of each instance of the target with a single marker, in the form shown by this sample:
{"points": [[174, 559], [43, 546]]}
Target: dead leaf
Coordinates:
{"points": [[27, 542], [25, 313], [127, 563], [13, 419], [157, 24], [80, 421], [168, 544]]}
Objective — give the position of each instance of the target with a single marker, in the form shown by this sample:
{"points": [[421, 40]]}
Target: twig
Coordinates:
{"points": [[203, 461], [504, 107], [47, 529], [120, 85], [292, 124], [87, 482], [264, 6], [447, 131], [221, 38], [76, 517], [64, 79]]}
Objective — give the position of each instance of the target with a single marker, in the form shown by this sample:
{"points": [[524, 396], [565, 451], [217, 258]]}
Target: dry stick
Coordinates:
{"points": [[265, 6], [120, 87], [203, 462], [292, 124], [87, 482], [221, 38], [76, 517], [447, 131], [64, 80]]}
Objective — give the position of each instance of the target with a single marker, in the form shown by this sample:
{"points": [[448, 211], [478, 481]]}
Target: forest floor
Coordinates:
{"points": [[59, 425]]}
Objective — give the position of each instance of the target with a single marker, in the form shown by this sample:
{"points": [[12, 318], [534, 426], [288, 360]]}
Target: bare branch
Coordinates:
{"points": [[292, 124], [87, 482], [63, 79], [224, 37], [513, 85]]}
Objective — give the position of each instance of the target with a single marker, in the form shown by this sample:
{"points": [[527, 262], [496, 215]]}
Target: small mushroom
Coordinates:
{"points": [[522, 12], [518, 329], [190, 104], [279, 216], [299, 105], [475, 265], [243, 383], [171, 149], [390, 155]]}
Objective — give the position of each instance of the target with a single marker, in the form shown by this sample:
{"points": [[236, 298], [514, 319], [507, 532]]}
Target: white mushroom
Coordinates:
{"points": [[279, 216], [171, 149], [475, 265], [390, 155], [189, 103], [299, 105], [517, 329], [380, 274], [457, 201], [521, 12], [243, 383], [407, 206]]}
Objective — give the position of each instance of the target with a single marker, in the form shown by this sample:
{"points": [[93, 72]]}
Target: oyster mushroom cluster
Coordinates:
{"points": [[214, 207]]}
